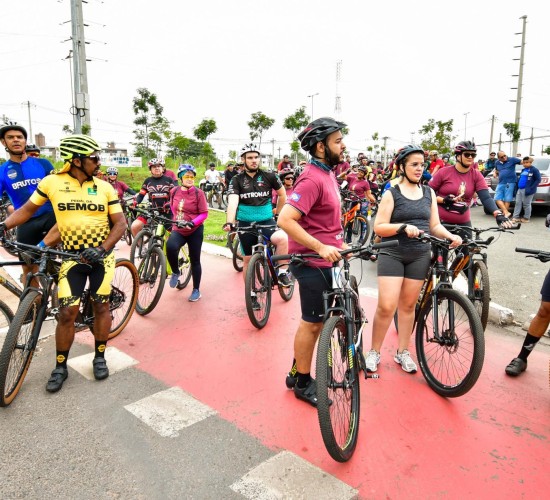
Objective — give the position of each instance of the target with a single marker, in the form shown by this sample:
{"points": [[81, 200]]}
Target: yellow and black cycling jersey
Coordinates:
{"points": [[82, 211]]}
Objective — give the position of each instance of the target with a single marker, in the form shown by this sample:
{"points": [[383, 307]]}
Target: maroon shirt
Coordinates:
{"points": [[190, 205], [359, 187], [316, 196]]}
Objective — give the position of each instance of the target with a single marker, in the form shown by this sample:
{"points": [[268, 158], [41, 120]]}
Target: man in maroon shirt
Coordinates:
{"points": [[311, 218]]}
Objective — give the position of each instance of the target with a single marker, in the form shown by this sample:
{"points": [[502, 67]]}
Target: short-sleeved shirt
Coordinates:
{"points": [[213, 176], [19, 181], [437, 163], [158, 190], [341, 168], [449, 181], [120, 188], [254, 195], [316, 196], [507, 170], [359, 187], [186, 204], [81, 210]]}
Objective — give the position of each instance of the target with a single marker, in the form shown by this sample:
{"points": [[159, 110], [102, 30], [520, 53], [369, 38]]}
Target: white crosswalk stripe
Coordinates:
{"points": [[116, 361]]}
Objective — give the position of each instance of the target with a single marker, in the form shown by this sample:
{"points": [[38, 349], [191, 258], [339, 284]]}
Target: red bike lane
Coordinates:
{"points": [[412, 443]]}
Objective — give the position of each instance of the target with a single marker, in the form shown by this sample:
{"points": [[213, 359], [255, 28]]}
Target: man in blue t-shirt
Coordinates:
{"points": [[19, 177], [506, 171]]}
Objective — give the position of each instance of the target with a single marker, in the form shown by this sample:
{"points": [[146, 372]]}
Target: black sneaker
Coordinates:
{"points": [[101, 371], [516, 367], [58, 376], [308, 393], [284, 280], [291, 380], [255, 304]]}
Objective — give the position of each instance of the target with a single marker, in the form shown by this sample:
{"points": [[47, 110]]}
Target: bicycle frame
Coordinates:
{"points": [[265, 247], [7, 284]]}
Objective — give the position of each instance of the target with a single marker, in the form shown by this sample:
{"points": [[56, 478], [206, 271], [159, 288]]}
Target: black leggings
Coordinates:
{"points": [[194, 244]]}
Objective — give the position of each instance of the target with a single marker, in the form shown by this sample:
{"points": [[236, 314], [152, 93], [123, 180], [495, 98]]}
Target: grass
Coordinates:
{"points": [[213, 232]]}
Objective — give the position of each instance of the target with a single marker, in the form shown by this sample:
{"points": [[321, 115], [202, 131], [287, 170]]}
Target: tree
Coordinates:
{"points": [[258, 125], [233, 155], [205, 129], [295, 123], [148, 111], [159, 133], [437, 135], [512, 131], [546, 150]]}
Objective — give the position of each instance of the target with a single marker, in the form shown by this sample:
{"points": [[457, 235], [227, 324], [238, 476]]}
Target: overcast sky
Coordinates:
{"points": [[403, 63]]}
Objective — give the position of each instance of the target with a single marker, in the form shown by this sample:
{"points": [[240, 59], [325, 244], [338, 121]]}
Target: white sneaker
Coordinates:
{"points": [[372, 360], [405, 360]]}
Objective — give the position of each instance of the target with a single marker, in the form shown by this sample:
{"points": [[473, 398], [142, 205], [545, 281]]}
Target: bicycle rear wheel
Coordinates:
{"points": [[451, 364], [124, 294], [6, 317], [354, 228], [286, 292], [338, 403], [19, 346], [257, 291], [139, 246], [152, 275], [482, 291], [237, 253], [184, 266]]}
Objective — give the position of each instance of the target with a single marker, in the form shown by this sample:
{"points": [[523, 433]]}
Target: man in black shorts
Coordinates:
{"points": [[19, 177], [249, 199], [91, 221], [539, 325]]}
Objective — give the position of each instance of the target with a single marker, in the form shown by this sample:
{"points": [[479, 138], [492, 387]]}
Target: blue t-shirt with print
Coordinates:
{"points": [[20, 180], [507, 170]]}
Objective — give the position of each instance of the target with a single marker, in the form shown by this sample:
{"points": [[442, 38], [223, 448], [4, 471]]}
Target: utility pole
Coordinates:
{"points": [[81, 109], [531, 143], [520, 80], [312, 96], [491, 135], [466, 124], [500, 141], [338, 103], [29, 104], [385, 152], [272, 154]]}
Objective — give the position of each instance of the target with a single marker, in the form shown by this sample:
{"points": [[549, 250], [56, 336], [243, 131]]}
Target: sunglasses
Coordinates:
{"points": [[470, 155], [501, 157], [289, 178], [94, 158], [187, 176]]}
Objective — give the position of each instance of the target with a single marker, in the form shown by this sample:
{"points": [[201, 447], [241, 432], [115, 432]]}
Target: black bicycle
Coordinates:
{"points": [[262, 277], [234, 244], [9, 234], [39, 302], [340, 356]]}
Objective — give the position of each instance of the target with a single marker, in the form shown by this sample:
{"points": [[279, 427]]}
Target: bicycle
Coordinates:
{"points": [[10, 234], [234, 243], [38, 303], [214, 190], [148, 255], [261, 277], [470, 262], [129, 214], [355, 224], [450, 343], [340, 357], [6, 314]]}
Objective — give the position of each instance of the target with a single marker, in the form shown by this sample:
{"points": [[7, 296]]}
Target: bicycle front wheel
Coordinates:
{"points": [[184, 266], [139, 247], [481, 291], [450, 358], [6, 317], [124, 294], [152, 275], [237, 254], [19, 346], [286, 292], [257, 291], [338, 394], [354, 230]]}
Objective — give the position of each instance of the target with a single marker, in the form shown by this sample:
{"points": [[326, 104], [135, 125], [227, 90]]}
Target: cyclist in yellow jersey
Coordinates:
{"points": [[91, 221]]}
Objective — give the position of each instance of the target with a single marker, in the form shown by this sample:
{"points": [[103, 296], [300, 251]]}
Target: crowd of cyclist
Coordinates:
{"points": [[301, 206]]}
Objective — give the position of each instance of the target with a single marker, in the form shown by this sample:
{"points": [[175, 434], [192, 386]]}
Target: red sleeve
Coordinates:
{"points": [[479, 181]]}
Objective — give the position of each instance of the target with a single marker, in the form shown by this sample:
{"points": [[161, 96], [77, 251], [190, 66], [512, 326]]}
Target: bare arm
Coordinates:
{"points": [[119, 226], [21, 215], [437, 229], [281, 199], [233, 203]]}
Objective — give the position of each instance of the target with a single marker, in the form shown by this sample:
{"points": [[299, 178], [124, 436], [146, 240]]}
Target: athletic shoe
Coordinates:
{"points": [[307, 393], [255, 304], [291, 380], [516, 367], [58, 376], [174, 280], [406, 362], [284, 280], [372, 360], [195, 295], [525, 221], [101, 371]]}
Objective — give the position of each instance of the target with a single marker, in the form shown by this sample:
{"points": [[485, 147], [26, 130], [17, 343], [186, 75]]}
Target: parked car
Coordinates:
{"points": [[542, 196]]}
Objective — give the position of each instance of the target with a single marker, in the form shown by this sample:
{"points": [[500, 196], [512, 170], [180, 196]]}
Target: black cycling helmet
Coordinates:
{"points": [[30, 148], [286, 171], [12, 126], [406, 151], [465, 146], [318, 130]]}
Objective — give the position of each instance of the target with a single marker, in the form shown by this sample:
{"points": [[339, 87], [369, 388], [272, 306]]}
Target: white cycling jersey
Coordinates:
{"points": [[213, 176]]}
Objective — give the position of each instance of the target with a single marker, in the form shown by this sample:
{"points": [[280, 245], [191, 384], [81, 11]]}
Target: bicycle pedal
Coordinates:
{"points": [[372, 375]]}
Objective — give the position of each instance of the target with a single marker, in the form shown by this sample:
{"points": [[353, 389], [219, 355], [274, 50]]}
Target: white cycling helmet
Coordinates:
{"points": [[250, 148]]}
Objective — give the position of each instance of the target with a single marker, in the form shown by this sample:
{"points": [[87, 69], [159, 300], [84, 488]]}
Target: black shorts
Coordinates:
{"points": [[411, 265], [250, 238], [33, 231], [313, 281], [545, 290]]}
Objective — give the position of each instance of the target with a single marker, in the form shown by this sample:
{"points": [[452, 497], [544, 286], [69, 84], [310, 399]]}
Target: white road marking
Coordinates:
{"points": [[116, 361]]}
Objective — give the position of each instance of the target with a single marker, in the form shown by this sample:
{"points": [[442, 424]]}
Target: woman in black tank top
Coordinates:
{"points": [[406, 210]]}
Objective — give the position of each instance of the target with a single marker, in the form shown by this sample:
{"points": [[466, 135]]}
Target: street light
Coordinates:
{"points": [[465, 123], [312, 96]]}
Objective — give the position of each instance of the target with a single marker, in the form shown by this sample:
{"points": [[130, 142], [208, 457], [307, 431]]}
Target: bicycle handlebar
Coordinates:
{"points": [[155, 214], [536, 254], [42, 250]]}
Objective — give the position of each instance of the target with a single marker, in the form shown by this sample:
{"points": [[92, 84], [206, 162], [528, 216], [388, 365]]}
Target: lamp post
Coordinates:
{"points": [[312, 96], [465, 124]]}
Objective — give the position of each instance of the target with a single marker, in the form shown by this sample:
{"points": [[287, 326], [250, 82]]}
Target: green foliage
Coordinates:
{"points": [[437, 135], [258, 124], [149, 120], [233, 155], [297, 121], [295, 147], [205, 129], [512, 131], [345, 131], [67, 130], [546, 150]]}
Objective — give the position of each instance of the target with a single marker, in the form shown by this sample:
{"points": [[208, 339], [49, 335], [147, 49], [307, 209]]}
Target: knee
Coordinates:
{"points": [[67, 315], [544, 311], [385, 309]]}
